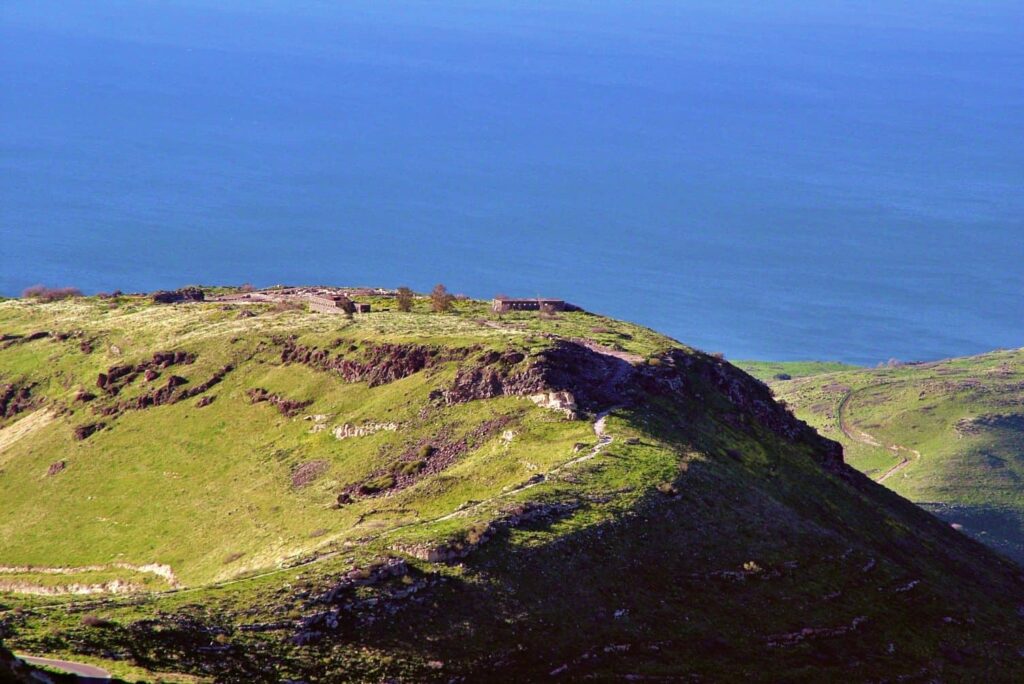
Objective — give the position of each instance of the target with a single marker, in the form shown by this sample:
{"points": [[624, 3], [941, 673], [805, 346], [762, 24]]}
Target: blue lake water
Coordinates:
{"points": [[766, 179]]}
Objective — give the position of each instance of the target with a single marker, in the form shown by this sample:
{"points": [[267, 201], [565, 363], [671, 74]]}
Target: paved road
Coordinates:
{"points": [[86, 673]]}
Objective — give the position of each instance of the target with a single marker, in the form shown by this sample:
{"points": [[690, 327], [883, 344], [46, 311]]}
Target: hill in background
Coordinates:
{"points": [[948, 435]]}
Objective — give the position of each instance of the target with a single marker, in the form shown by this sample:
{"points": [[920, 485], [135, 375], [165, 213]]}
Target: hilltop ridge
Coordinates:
{"points": [[246, 491]]}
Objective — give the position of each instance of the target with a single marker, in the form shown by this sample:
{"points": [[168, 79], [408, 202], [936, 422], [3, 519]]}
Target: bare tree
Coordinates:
{"points": [[440, 299], [404, 297], [50, 294]]}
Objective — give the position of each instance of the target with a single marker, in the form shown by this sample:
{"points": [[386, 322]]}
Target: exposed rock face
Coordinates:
{"points": [[215, 379], [572, 377], [347, 604], [118, 376], [167, 393], [568, 376], [55, 468], [185, 294], [375, 365], [14, 399], [558, 401], [158, 397], [287, 407], [85, 431]]}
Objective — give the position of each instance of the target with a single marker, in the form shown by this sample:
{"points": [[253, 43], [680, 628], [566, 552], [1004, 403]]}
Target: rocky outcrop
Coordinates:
{"points": [[557, 401], [567, 377], [14, 399], [348, 430], [185, 294], [349, 606], [214, 379], [168, 393], [115, 586], [287, 407], [85, 431], [118, 376], [814, 633], [573, 377], [375, 365], [160, 570]]}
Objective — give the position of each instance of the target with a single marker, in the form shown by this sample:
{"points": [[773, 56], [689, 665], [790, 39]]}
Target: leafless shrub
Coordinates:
{"points": [[440, 299], [50, 294], [404, 296]]}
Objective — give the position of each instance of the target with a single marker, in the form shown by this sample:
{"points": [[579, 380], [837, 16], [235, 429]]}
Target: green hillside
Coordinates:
{"points": [[948, 435], [253, 491]]}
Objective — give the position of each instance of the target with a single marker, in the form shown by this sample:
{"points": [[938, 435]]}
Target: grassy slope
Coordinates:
{"points": [[965, 417], [194, 487], [699, 542]]}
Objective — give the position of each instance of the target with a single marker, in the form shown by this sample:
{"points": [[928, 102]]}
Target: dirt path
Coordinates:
{"points": [[24, 427], [86, 673], [904, 462], [849, 430], [857, 435]]}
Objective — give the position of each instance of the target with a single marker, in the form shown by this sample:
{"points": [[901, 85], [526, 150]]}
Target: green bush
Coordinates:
{"points": [[410, 467], [377, 484]]}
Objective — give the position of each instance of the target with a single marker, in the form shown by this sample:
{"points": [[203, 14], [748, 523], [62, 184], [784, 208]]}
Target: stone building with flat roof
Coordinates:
{"points": [[504, 304]]}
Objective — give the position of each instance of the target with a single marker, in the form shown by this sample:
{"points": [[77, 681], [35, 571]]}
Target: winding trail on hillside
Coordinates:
{"points": [[857, 435]]}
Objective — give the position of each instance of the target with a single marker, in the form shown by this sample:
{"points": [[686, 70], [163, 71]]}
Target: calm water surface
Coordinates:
{"points": [[760, 178]]}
